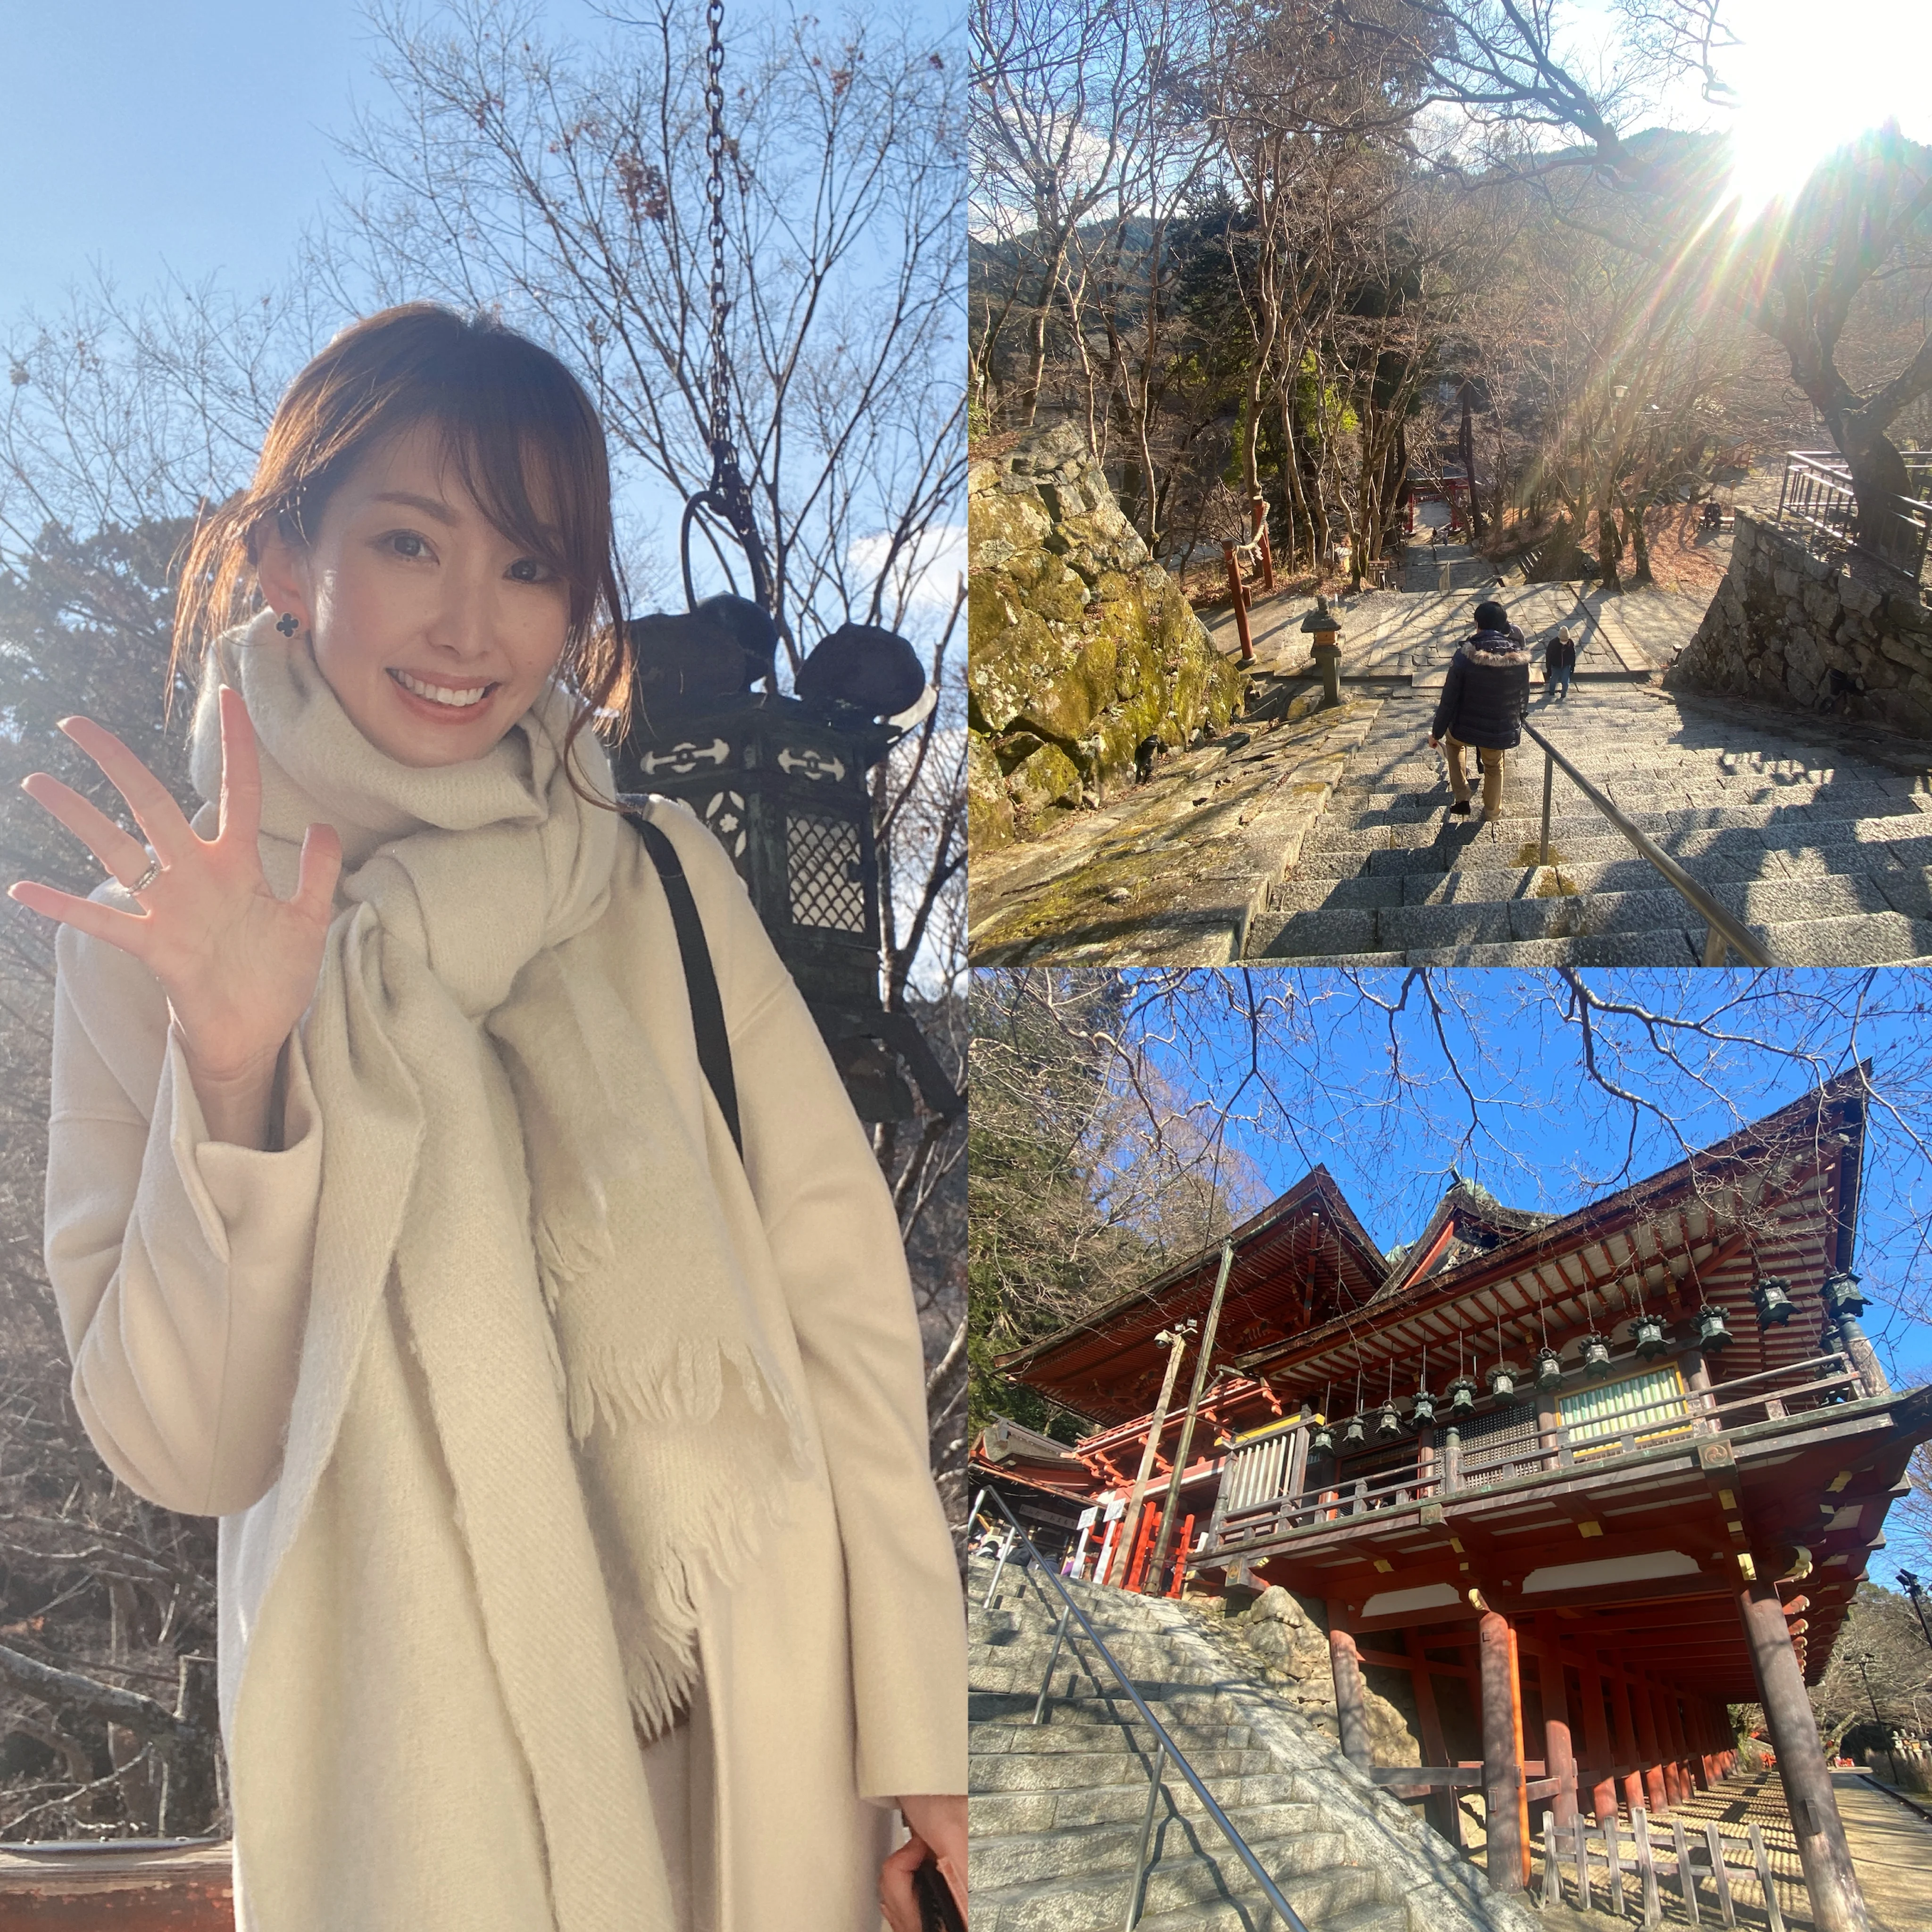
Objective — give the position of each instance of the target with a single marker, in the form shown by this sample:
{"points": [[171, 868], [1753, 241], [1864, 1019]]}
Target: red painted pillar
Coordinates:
{"points": [[1649, 1754], [1351, 1710], [1150, 1524], [1559, 1755], [1626, 1750], [1597, 1744], [1836, 1903], [1502, 1769]]}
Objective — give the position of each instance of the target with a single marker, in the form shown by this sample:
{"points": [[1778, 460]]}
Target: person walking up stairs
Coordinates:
{"points": [[1483, 703]]}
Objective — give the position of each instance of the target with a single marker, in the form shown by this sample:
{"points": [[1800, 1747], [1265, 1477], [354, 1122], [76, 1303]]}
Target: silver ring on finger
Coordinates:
{"points": [[148, 877]]}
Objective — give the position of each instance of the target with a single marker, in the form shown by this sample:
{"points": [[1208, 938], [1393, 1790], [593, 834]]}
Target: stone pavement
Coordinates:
{"points": [[1322, 835]]}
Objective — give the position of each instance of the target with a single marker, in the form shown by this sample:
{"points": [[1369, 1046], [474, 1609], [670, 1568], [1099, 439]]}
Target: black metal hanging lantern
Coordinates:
{"points": [[1462, 1397], [1841, 1294], [1388, 1419], [1647, 1331], [1596, 1354], [1549, 1369], [780, 780], [1354, 1435], [1774, 1301], [1322, 1442], [1422, 1408], [1505, 1383], [1712, 1334]]}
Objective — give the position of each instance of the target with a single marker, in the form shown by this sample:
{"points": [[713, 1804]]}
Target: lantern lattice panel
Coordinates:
{"points": [[825, 872]]}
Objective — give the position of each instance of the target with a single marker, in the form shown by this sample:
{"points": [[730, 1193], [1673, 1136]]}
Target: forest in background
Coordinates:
{"points": [[1275, 259]]}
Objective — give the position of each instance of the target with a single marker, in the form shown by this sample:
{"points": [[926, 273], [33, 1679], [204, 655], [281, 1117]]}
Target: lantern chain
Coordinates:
{"points": [[726, 495]]}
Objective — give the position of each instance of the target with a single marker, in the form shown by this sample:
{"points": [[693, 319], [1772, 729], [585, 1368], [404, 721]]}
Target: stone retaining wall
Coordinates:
{"points": [[1848, 640], [1080, 647]]}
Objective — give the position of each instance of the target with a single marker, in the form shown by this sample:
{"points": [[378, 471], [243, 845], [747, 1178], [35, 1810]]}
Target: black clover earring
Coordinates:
{"points": [[288, 624]]}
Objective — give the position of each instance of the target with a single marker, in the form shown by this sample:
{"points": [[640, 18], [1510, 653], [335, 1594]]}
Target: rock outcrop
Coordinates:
{"points": [[1081, 648], [1291, 1648], [1847, 640]]}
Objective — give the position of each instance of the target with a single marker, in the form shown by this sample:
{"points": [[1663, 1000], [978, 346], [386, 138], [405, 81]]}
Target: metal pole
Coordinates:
{"points": [[1147, 1831], [1150, 1581], [1549, 778], [1173, 1340], [1885, 1729], [992, 1588], [1059, 1637]]}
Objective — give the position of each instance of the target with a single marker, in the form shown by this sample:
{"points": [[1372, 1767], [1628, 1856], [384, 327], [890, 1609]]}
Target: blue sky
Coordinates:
{"points": [[1551, 1144], [196, 138]]}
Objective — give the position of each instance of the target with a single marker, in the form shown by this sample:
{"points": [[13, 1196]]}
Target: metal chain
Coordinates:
{"points": [[726, 496], [721, 451]]}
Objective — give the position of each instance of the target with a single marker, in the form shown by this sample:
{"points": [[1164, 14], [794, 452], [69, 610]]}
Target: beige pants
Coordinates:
{"points": [[1492, 762]]}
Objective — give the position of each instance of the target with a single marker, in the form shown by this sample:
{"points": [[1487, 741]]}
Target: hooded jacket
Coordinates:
{"points": [[1486, 694]]}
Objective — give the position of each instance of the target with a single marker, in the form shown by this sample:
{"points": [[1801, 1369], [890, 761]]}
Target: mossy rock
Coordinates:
{"points": [[1045, 775], [989, 810], [1006, 669], [1000, 525]]}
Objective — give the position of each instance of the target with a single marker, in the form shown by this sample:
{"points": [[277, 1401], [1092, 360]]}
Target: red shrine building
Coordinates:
{"points": [[1580, 1480]]}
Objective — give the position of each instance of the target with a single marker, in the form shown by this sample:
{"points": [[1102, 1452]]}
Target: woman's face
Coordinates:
{"points": [[434, 631]]}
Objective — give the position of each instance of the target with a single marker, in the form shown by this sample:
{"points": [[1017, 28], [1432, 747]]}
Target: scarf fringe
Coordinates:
{"points": [[565, 1254], [687, 1387], [659, 1676]]}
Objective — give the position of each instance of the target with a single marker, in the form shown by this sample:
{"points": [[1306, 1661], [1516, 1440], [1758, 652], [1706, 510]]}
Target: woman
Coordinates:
{"points": [[1484, 700], [579, 1567]]}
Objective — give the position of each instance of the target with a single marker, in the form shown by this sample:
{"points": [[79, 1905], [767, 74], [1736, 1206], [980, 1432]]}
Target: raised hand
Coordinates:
{"points": [[238, 964]]}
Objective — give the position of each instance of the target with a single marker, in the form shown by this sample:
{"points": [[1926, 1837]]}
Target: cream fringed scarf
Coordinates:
{"points": [[524, 1304]]}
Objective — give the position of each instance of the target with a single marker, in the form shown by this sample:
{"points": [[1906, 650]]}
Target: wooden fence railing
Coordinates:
{"points": [[1590, 1862], [1257, 1502]]}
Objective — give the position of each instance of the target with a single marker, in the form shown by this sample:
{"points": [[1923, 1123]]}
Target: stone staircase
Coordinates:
{"points": [[1820, 843], [1056, 1809]]}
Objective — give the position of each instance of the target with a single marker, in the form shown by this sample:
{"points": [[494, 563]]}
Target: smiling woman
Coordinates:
{"points": [[581, 1565]]}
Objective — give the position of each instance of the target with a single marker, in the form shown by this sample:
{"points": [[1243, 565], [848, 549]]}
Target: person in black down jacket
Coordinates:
{"points": [[1483, 700], [1559, 660]]}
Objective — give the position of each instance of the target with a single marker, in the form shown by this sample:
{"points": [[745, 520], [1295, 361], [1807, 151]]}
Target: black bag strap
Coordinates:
{"points": [[700, 981]]}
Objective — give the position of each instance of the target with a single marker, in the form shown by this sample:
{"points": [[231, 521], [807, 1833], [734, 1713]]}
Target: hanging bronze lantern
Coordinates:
{"points": [[1388, 1419], [1354, 1435], [1462, 1397], [1549, 1369], [1322, 1441], [1773, 1302], [780, 781], [1647, 1331], [1841, 1294], [1422, 1408], [1711, 1333], [1506, 1383], [1596, 1354]]}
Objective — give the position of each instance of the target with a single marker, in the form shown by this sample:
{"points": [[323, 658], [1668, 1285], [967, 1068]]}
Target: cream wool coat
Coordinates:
{"points": [[833, 1674]]}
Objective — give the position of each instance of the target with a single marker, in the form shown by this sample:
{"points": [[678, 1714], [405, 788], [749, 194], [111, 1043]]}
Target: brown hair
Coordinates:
{"points": [[509, 411]]}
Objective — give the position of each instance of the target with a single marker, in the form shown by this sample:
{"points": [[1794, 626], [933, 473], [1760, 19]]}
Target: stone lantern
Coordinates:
{"points": [[1321, 625], [781, 781]]}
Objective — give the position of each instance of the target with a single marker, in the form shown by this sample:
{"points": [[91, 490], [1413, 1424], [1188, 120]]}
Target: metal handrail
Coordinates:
{"points": [[1724, 930], [1167, 1748]]}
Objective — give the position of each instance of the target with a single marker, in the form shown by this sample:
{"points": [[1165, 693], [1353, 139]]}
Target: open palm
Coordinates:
{"points": [[238, 964]]}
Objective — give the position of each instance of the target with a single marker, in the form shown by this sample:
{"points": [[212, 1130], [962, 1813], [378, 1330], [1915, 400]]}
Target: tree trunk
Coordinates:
{"points": [[1468, 454], [1878, 480], [1610, 545], [1639, 544]]}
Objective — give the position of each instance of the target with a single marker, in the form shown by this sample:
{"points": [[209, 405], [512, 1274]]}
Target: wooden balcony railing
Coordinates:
{"points": [[1261, 1500]]}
